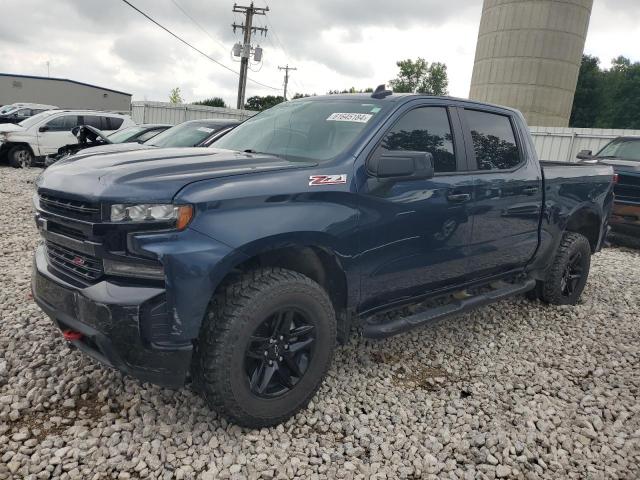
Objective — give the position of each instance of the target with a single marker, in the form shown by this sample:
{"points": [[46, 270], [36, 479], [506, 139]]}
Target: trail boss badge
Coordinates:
{"points": [[318, 180]]}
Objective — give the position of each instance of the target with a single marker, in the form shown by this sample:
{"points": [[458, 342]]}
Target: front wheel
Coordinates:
{"points": [[568, 275], [265, 347], [20, 157]]}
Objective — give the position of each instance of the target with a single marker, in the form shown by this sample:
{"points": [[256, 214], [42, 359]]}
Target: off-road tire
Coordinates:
{"points": [[233, 314], [20, 157], [550, 290]]}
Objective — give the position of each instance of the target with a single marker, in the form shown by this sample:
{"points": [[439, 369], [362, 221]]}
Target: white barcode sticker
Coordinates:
{"points": [[349, 117], [205, 129]]}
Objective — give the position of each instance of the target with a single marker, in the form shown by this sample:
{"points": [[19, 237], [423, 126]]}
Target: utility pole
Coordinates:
{"points": [[245, 49], [286, 78]]}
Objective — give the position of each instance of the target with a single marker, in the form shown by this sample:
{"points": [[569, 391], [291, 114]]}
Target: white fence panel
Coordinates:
{"points": [[174, 113], [563, 144]]}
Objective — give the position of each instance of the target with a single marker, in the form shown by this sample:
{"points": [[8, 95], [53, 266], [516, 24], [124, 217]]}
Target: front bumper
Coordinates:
{"points": [[112, 319], [625, 218]]}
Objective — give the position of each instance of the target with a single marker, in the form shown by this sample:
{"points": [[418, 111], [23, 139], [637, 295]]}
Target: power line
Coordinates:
{"points": [[191, 46], [284, 50], [195, 22]]}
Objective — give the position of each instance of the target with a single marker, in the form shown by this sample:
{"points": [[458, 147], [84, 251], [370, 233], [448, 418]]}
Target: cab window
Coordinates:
{"points": [[494, 141], [63, 123], [425, 129]]}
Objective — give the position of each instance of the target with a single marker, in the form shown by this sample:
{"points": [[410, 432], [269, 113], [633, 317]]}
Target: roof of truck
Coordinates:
{"points": [[397, 97]]}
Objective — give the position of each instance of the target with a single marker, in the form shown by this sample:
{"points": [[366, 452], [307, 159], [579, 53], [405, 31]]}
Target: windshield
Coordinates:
{"points": [[7, 109], [29, 122], [304, 130], [183, 135], [125, 134], [623, 148]]}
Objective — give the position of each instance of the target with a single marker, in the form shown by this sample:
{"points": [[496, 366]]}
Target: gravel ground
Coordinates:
{"points": [[514, 390]]}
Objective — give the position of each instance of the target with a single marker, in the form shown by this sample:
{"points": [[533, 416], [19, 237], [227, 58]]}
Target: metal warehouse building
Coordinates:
{"points": [[61, 92]]}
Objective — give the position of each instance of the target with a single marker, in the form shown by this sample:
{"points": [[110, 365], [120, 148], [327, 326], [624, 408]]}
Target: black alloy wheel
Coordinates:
{"points": [[266, 344], [571, 275], [567, 276], [279, 353]]}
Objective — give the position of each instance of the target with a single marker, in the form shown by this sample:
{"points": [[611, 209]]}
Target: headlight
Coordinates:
{"points": [[179, 214], [3, 137]]}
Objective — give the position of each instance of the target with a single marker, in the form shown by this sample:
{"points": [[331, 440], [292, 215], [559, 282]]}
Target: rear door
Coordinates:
{"points": [[507, 193], [57, 133], [413, 233]]}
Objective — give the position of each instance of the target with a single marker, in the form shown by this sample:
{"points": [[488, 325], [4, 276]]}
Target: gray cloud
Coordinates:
{"points": [[108, 43]]}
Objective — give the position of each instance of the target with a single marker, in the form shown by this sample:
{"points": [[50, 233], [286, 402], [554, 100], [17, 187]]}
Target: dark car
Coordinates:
{"points": [[623, 154], [193, 133], [17, 112], [90, 137], [239, 266]]}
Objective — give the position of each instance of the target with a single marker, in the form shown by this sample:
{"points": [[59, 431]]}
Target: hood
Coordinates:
{"points": [[104, 149], [620, 165], [10, 127], [151, 175]]}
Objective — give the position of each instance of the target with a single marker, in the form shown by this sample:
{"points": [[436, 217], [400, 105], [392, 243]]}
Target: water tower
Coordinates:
{"points": [[528, 56]]}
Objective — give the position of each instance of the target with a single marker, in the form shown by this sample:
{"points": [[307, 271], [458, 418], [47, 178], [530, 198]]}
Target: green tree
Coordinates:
{"points": [[607, 98], [259, 103], [587, 101], [421, 77], [350, 90], [175, 96], [212, 102]]}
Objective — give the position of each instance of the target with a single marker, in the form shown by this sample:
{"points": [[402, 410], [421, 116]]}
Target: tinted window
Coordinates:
{"points": [[63, 124], [493, 140], [125, 134], [114, 123], [184, 135], [95, 121], [147, 135], [424, 130], [624, 148], [25, 112]]}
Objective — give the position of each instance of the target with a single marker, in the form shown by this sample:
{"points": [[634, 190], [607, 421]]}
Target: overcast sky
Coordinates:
{"points": [[335, 44]]}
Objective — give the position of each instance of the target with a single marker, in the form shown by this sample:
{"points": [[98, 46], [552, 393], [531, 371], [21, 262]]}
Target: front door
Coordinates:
{"points": [[507, 195], [57, 133], [413, 233]]}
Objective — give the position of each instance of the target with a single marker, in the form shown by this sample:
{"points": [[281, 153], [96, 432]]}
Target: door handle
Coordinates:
{"points": [[459, 197], [530, 190]]}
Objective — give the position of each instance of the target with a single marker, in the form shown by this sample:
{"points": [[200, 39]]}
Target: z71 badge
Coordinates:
{"points": [[317, 180]]}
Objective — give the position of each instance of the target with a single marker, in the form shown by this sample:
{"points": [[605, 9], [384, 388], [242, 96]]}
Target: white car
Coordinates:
{"points": [[31, 140]]}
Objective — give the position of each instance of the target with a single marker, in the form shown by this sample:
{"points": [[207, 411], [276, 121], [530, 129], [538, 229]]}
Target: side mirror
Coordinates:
{"points": [[401, 165], [43, 128], [584, 154]]}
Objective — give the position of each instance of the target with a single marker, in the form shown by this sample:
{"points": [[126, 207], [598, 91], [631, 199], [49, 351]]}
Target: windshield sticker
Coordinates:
{"points": [[318, 180], [349, 117], [375, 109], [205, 129]]}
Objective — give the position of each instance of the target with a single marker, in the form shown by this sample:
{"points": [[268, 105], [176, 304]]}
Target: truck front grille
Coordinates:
{"points": [[628, 188], [74, 263], [81, 210]]}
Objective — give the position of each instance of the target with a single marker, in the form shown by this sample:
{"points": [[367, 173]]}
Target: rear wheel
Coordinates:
{"points": [[20, 157], [568, 275], [265, 347]]}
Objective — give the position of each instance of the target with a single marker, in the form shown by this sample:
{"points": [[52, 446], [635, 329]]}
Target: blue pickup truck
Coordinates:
{"points": [[237, 268]]}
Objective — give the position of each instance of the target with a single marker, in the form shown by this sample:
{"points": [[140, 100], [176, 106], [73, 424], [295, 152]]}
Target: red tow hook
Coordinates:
{"points": [[71, 335]]}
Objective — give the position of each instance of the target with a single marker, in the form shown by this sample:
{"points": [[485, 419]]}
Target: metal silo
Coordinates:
{"points": [[528, 56]]}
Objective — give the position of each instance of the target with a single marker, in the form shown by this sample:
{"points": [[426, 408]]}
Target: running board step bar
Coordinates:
{"points": [[403, 324]]}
